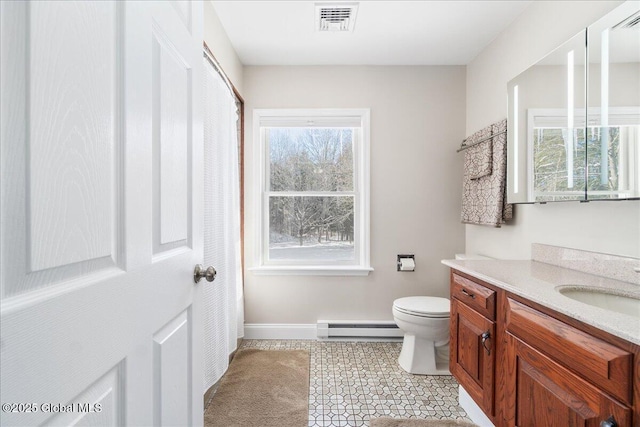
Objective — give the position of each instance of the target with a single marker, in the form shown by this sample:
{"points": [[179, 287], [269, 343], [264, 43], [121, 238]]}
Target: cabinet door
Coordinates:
{"points": [[543, 393], [472, 353]]}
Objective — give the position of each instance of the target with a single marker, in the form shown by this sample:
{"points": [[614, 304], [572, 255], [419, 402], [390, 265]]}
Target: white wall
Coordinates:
{"points": [[417, 122], [218, 41], [609, 227]]}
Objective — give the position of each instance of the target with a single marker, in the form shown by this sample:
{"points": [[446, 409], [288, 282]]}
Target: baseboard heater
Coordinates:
{"points": [[358, 329]]}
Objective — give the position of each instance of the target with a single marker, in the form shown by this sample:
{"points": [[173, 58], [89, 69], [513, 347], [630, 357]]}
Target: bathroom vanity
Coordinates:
{"points": [[530, 352]]}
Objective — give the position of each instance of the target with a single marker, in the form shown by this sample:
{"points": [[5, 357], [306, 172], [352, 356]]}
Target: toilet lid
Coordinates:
{"points": [[423, 306]]}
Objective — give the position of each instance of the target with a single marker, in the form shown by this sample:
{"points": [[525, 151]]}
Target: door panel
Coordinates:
{"points": [[172, 366], [61, 145], [105, 409], [71, 128], [101, 212], [171, 144]]}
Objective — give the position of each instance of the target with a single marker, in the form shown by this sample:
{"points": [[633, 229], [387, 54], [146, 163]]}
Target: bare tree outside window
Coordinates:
{"points": [[551, 168], [311, 201], [601, 169], [604, 162]]}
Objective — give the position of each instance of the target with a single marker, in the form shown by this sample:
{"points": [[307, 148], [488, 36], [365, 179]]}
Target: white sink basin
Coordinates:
{"points": [[604, 298]]}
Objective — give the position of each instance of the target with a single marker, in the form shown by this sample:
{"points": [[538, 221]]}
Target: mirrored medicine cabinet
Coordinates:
{"points": [[574, 117]]}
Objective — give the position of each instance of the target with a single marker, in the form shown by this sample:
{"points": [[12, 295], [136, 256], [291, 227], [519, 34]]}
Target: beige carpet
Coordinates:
{"points": [[262, 388], [397, 422]]}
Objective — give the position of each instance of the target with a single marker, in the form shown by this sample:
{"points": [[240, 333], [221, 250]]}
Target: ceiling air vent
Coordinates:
{"points": [[336, 16], [631, 22]]}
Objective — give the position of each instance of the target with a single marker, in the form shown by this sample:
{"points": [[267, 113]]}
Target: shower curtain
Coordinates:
{"points": [[223, 301]]}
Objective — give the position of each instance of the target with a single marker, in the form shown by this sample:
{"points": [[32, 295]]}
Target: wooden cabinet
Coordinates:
{"points": [[579, 379], [539, 368], [544, 393], [472, 348]]}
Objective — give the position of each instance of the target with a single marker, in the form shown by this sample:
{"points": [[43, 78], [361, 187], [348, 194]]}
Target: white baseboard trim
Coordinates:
{"points": [[284, 331], [473, 410]]}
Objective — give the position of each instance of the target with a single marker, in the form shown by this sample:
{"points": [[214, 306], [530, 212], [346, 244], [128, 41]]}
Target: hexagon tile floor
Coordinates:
{"points": [[352, 382]]}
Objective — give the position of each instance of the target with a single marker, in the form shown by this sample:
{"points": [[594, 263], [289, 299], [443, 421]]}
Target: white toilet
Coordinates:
{"points": [[425, 323]]}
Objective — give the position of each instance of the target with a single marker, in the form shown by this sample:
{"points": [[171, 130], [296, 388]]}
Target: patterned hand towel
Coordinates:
{"points": [[484, 197], [480, 159]]}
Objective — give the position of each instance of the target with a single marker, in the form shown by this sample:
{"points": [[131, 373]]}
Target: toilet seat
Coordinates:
{"points": [[432, 307]]}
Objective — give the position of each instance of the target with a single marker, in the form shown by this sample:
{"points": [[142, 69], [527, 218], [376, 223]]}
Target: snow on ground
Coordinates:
{"points": [[282, 246], [318, 252]]}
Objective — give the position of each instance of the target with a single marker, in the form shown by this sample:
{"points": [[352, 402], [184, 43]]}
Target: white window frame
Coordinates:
{"points": [[292, 117]]}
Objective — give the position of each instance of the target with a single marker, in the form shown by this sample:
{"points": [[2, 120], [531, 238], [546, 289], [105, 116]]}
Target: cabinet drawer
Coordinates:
{"points": [[605, 365], [475, 295]]}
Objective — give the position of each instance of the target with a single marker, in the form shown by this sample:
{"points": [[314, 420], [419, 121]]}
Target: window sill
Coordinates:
{"points": [[337, 270]]}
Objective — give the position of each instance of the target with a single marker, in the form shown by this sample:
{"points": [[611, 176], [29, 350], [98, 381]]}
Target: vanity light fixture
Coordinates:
{"points": [[515, 139], [570, 118], [604, 111]]}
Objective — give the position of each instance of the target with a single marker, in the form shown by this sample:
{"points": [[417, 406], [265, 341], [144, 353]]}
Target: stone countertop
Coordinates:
{"points": [[537, 282]]}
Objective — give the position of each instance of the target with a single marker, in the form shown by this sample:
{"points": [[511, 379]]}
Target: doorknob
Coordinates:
{"points": [[199, 273]]}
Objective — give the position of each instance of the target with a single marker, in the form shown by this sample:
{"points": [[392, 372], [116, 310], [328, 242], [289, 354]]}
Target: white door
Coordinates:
{"points": [[101, 213]]}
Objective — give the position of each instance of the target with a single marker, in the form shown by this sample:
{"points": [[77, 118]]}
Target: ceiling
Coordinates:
{"points": [[385, 33]]}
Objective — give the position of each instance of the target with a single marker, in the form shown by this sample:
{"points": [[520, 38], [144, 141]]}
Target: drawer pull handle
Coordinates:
{"points": [[487, 336], [609, 422], [464, 291]]}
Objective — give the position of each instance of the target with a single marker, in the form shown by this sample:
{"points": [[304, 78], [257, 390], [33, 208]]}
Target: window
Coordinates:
{"points": [[557, 153], [313, 189], [590, 158]]}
